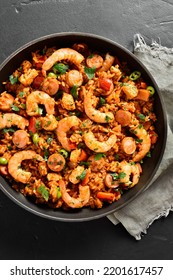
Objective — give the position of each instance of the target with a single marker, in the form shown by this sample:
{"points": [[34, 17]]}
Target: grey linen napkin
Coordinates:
{"points": [[157, 200]]}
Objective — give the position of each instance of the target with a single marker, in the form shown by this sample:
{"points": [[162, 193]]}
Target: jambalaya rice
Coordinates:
{"points": [[75, 127]]}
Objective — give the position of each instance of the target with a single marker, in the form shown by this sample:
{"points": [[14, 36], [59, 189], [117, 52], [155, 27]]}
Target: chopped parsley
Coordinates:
{"points": [[81, 176], [21, 94], [141, 117], [59, 194], [46, 154], [86, 163], [5, 130], [148, 154], [90, 72], [116, 176], [102, 101], [99, 156], [49, 140], [74, 92], [15, 108], [107, 118], [60, 68], [44, 192], [13, 80]]}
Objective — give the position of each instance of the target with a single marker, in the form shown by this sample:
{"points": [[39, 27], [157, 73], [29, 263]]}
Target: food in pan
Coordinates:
{"points": [[75, 127]]}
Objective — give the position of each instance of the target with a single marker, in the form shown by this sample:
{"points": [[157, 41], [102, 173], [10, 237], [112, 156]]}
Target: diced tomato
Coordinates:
{"points": [[37, 82], [86, 179], [83, 156], [153, 137], [143, 85], [32, 125], [72, 145], [105, 84]]}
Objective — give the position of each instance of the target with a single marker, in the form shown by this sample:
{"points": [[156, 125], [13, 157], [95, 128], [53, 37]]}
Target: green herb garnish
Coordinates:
{"points": [[44, 192], [60, 68], [90, 72], [81, 176], [99, 156], [13, 80], [15, 108], [74, 92]]}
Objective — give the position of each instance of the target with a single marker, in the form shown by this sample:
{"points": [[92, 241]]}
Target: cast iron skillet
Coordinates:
{"points": [[149, 166]]}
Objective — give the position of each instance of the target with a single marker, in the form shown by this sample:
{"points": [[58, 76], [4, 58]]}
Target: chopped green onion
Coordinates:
{"points": [[52, 75], [59, 194], [13, 80], [35, 138], [3, 161], [44, 192]]}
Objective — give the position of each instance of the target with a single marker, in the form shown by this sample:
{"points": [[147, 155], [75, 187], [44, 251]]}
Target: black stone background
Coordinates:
{"points": [[26, 236]]}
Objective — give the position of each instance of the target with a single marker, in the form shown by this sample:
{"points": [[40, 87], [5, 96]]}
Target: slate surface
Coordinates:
{"points": [[25, 236]]}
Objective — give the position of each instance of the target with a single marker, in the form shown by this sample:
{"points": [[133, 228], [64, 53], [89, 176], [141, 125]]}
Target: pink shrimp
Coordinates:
{"points": [[62, 54]]}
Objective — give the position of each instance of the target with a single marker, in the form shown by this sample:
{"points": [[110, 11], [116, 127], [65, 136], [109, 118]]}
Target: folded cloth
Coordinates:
{"points": [[157, 199]]}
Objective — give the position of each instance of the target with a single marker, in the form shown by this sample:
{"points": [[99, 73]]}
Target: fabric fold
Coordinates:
{"points": [[157, 200]]}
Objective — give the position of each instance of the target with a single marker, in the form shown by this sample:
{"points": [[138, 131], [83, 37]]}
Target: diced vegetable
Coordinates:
{"points": [[135, 75]]}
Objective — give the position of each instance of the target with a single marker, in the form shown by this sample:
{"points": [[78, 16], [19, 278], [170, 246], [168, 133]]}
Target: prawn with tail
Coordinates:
{"points": [[93, 113], [14, 164], [80, 201], [64, 126], [145, 143], [12, 119], [131, 173], [99, 147], [62, 54], [39, 97]]}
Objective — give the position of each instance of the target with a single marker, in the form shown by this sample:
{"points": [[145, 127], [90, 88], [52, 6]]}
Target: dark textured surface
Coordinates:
{"points": [[25, 236]]}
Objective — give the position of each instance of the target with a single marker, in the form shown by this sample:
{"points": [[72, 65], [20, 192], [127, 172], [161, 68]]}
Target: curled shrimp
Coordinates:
{"points": [[93, 113], [12, 119], [64, 126], [6, 100], [39, 97], [108, 62], [49, 122], [99, 147], [82, 200], [62, 54], [75, 174], [145, 143], [14, 164], [131, 173]]}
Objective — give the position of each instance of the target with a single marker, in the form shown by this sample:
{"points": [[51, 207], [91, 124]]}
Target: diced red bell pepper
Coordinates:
{"points": [[105, 84]]}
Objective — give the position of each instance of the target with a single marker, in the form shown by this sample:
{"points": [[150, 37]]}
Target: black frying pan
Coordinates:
{"points": [[149, 166]]}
